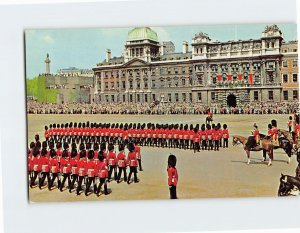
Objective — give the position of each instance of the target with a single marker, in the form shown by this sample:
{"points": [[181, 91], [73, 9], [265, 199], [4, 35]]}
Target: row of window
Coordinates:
{"points": [[285, 63], [285, 78]]}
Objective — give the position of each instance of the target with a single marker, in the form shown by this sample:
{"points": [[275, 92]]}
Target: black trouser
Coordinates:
{"points": [[90, 180], [290, 128], [210, 145], [173, 194], [120, 173], [65, 176], [140, 164], [225, 143], [33, 178], [134, 171], [102, 181], [42, 180], [54, 176], [196, 146], [220, 142], [204, 144], [74, 178], [111, 168], [79, 188], [216, 144]]}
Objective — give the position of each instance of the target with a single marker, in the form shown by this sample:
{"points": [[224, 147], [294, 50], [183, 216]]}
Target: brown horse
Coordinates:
{"points": [[265, 146], [289, 137]]}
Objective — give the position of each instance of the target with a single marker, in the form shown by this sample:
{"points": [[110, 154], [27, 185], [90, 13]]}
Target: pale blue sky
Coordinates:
{"points": [[83, 48]]}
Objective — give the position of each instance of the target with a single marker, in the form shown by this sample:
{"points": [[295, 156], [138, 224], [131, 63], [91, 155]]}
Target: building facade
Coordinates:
{"points": [[74, 85], [208, 72]]}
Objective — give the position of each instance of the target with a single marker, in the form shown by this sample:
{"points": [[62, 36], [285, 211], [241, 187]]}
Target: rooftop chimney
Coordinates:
{"points": [[185, 47], [108, 55]]}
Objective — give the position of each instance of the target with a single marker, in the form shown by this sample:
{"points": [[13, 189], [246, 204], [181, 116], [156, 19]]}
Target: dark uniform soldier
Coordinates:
{"points": [[132, 162]]}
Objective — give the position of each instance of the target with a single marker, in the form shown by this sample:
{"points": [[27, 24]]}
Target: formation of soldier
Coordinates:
{"points": [[90, 163], [194, 137]]}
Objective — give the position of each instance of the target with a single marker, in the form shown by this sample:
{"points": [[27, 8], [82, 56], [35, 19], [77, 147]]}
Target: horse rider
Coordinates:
{"points": [[274, 133], [256, 135]]}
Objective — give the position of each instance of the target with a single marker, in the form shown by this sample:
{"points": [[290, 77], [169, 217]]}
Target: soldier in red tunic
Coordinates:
{"points": [[46, 133], [74, 168], [215, 135], [90, 168], [65, 169], [102, 174], [196, 141], [54, 168], [44, 163], [81, 170], [137, 150], [121, 158], [172, 176], [209, 136], [112, 163], [225, 136], [36, 167], [132, 162]]}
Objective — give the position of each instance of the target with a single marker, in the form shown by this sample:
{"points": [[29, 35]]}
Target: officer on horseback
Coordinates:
{"points": [[274, 133]]}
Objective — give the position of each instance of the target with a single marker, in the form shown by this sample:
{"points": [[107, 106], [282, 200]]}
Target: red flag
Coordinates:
{"points": [[240, 77], [250, 79], [219, 77], [229, 77]]}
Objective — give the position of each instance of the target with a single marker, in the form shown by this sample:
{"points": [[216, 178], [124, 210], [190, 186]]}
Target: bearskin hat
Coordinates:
{"points": [[172, 160], [81, 146], [71, 124], [66, 145], [37, 137], [121, 147], [38, 145], [87, 124], [82, 154], [44, 152], [44, 144], [83, 125], [46, 127], [111, 147], [73, 153], [186, 127], [75, 125], [103, 146], [50, 126], [52, 153], [32, 145], [131, 147], [224, 126], [191, 127], [62, 126], [91, 154], [274, 123], [208, 126], [79, 125], [96, 146], [269, 126], [65, 153]]}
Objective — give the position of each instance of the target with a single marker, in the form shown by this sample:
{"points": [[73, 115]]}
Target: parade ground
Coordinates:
{"points": [[204, 174]]}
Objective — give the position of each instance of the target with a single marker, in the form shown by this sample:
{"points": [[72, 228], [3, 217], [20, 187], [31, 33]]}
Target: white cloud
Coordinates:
{"points": [[48, 39]]}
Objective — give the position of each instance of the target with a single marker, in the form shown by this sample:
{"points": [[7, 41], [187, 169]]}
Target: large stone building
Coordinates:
{"points": [[228, 73], [74, 85]]}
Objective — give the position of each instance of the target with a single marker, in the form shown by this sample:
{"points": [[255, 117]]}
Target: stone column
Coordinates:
{"points": [[277, 75], [102, 87], [120, 85], [263, 72], [126, 86]]}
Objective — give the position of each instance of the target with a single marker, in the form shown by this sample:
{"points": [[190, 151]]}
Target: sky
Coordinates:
{"points": [[85, 47]]}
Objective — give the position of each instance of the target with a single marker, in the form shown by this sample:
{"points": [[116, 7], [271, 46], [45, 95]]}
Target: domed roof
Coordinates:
{"points": [[142, 33]]}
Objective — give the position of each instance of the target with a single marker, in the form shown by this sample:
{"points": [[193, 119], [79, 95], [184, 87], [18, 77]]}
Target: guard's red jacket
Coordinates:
{"points": [[137, 150], [131, 159], [81, 167], [102, 170], [225, 133], [90, 168], [121, 159], [209, 133], [54, 167], [73, 164], [111, 158], [44, 163], [36, 166], [65, 166], [172, 176]]}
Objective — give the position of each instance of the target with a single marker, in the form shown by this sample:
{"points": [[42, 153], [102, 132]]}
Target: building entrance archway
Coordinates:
{"points": [[231, 100]]}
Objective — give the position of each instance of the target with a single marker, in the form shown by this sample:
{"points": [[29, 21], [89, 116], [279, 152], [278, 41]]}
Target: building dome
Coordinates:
{"points": [[142, 33]]}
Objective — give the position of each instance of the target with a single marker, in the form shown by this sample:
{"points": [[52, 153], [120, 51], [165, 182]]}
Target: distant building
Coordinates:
{"points": [[226, 73], [74, 85], [289, 71]]}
